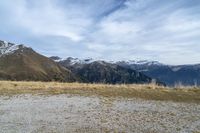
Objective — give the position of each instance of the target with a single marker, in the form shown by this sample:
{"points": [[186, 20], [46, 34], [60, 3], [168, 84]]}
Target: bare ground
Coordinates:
{"points": [[68, 113], [34, 107]]}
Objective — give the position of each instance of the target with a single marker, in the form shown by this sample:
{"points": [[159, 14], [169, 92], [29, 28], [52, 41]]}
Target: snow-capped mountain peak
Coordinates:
{"points": [[8, 48], [72, 61]]}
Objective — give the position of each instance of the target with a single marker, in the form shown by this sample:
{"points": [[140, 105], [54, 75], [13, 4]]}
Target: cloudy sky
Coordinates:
{"points": [[164, 30]]}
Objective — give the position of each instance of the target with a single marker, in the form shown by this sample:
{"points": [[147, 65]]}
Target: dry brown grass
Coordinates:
{"points": [[149, 92]]}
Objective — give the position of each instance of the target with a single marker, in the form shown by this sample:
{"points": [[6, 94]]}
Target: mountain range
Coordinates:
{"points": [[171, 75], [19, 62]]}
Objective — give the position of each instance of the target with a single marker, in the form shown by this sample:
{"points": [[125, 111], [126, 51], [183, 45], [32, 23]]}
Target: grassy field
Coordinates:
{"points": [[149, 91]]}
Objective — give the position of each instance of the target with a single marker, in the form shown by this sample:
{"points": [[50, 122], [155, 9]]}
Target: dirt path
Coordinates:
{"points": [[69, 113]]}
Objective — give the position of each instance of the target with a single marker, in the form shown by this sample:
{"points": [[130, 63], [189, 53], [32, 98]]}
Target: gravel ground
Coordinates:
{"points": [[71, 113]]}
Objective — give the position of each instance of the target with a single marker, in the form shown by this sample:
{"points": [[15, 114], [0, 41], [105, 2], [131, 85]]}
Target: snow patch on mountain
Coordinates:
{"points": [[73, 61], [11, 49], [141, 62]]}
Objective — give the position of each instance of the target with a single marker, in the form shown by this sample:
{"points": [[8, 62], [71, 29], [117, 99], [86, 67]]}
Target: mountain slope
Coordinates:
{"points": [[103, 72], [18, 62]]}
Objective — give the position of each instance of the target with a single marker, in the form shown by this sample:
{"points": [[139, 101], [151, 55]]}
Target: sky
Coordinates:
{"points": [[163, 30]]}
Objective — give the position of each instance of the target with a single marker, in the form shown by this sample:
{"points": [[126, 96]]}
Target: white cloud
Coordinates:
{"points": [[45, 18], [167, 31], [181, 21]]}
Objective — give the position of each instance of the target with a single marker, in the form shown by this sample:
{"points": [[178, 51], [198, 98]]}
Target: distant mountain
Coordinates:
{"points": [[92, 71], [18, 62], [171, 75], [139, 62]]}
